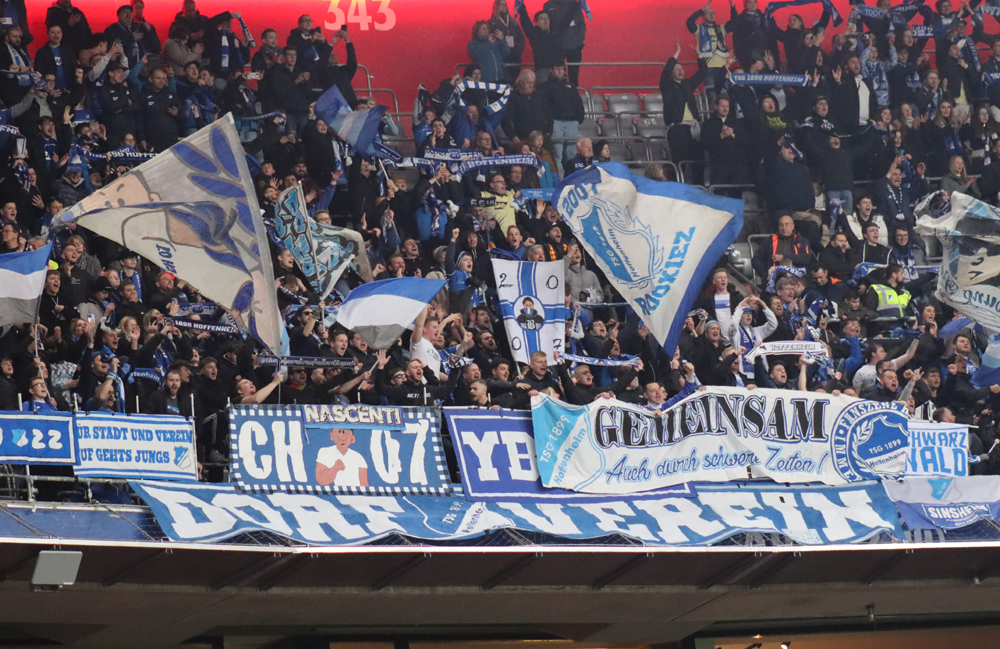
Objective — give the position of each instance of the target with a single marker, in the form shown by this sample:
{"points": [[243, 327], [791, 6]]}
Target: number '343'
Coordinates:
{"points": [[382, 16]]}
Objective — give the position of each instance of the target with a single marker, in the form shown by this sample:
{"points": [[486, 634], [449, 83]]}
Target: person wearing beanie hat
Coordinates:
{"points": [[70, 188]]}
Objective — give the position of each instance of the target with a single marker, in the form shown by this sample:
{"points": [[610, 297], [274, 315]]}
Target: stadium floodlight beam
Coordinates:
{"points": [[55, 569]]}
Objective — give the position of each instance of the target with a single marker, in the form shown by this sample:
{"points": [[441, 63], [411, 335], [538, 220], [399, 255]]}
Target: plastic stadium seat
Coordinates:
{"points": [[650, 127], [406, 148], [639, 151], [589, 128], [653, 103], [618, 104], [619, 151], [608, 126]]}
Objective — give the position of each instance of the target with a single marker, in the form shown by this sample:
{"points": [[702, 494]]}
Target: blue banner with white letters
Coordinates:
{"points": [[717, 435], [335, 449], [655, 241], [30, 438], [204, 513], [146, 447], [496, 455]]}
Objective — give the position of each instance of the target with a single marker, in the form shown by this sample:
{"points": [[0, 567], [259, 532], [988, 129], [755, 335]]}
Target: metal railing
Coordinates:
{"points": [[525, 64]]}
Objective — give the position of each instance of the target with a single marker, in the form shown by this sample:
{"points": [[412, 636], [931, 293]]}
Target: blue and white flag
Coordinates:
{"points": [[357, 127], [954, 326], [946, 503], [969, 280], [381, 311], [721, 434], [203, 513], [989, 371], [323, 252], [937, 449], [532, 299], [192, 210], [22, 278], [656, 241]]}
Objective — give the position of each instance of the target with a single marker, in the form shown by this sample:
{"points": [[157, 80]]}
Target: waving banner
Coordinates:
{"points": [[969, 233], [323, 252], [31, 438], [136, 446], [533, 306], [192, 210], [655, 241], [496, 455], [946, 503], [356, 449], [611, 447], [938, 449], [808, 515]]}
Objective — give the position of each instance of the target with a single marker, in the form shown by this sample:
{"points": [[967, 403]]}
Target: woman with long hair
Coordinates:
{"points": [[957, 180], [941, 139], [978, 137]]}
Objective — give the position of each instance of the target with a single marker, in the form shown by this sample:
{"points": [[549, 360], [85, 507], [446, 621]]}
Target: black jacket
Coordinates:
{"points": [[846, 101], [749, 32], [160, 127], [677, 95], [121, 111], [45, 61], [527, 113], [77, 36], [282, 91], [564, 102], [340, 75], [545, 46]]}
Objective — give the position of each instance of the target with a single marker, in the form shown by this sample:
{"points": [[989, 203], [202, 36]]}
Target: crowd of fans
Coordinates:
{"points": [[842, 266]]}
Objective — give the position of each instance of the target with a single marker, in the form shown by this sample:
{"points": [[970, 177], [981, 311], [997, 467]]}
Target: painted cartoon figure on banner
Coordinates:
{"points": [[339, 464], [528, 317]]}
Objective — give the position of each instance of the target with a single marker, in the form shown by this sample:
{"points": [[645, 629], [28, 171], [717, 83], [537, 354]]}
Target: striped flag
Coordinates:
{"points": [[22, 277], [358, 127], [381, 311], [533, 306]]}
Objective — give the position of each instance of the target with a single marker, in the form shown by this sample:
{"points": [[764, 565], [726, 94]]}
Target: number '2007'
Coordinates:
{"points": [[384, 18]]}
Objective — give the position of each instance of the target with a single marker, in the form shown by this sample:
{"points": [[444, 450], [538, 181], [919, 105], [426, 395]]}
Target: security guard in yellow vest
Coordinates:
{"points": [[890, 299]]}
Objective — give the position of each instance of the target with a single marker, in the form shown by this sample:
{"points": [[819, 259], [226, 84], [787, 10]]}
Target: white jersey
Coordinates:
{"points": [[353, 461]]}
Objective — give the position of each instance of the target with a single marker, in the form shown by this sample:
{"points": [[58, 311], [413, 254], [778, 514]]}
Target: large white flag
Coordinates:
{"points": [[193, 211], [970, 270], [655, 241], [533, 306]]}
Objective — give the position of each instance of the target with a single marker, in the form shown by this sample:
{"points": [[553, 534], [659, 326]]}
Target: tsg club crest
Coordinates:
{"points": [[870, 441], [631, 252]]}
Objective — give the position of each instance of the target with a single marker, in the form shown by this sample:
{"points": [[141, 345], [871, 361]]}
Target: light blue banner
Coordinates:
{"points": [[808, 515], [718, 435], [946, 503], [496, 454]]}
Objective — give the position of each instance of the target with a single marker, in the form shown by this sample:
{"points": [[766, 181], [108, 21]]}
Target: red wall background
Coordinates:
{"points": [[404, 43]]}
